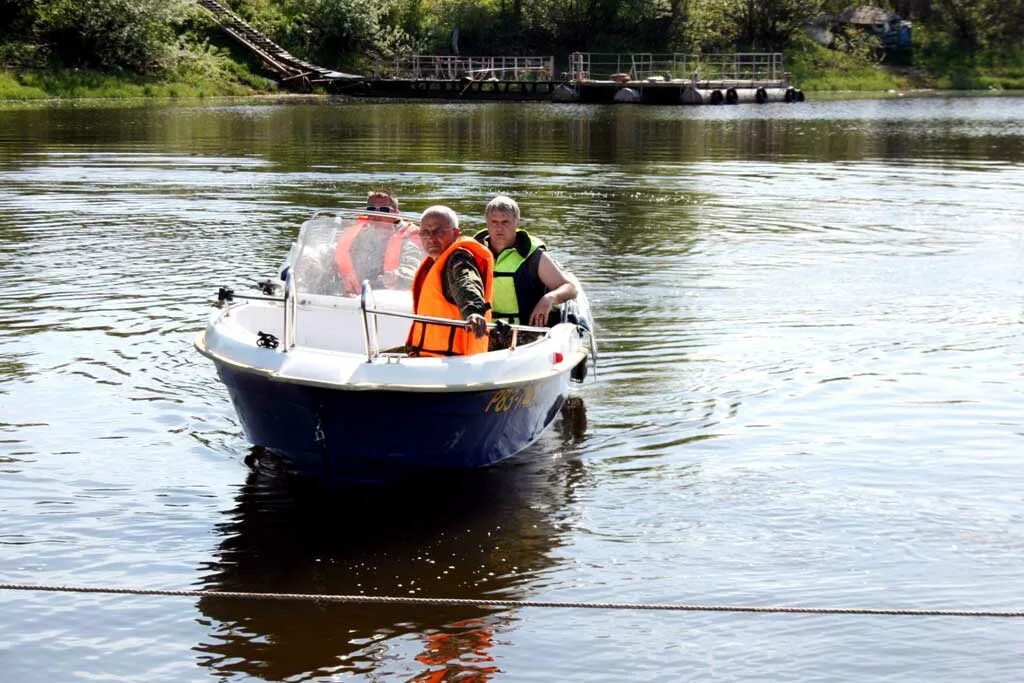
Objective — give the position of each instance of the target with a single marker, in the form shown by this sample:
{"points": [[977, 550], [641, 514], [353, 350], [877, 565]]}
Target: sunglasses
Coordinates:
{"points": [[382, 209]]}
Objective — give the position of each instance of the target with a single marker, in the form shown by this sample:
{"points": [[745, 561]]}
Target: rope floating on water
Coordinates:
{"points": [[470, 602]]}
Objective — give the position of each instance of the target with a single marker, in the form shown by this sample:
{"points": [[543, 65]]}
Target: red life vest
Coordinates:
{"points": [[392, 252], [431, 339]]}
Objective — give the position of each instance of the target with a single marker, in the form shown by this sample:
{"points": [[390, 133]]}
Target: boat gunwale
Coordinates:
{"points": [[571, 360]]}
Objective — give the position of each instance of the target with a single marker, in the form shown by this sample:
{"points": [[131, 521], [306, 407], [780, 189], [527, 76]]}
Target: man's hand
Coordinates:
{"points": [[478, 324], [539, 316]]}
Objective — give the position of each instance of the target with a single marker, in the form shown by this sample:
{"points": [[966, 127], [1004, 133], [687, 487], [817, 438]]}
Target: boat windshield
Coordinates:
{"points": [[336, 252]]}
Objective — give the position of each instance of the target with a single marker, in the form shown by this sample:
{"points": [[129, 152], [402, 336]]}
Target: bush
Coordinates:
{"points": [[11, 88], [814, 67], [25, 55], [136, 35]]}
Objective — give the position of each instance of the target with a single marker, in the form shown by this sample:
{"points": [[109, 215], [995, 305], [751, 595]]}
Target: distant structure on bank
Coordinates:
{"points": [[591, 77], [726, 78], [597, 78], [291, 72], [891, 30]]}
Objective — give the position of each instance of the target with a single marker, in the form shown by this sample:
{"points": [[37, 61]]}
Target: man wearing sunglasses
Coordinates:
{"points": [[382, 200], [379, 247]]}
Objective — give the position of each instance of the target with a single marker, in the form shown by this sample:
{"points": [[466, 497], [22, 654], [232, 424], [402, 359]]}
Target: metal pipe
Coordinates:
{"points": [[287, 312], [367, 295], [291, 312], [456, 323], [366, 321]]}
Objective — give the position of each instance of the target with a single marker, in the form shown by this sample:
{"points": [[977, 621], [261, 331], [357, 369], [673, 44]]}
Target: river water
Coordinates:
{"points": [[809, 393]]}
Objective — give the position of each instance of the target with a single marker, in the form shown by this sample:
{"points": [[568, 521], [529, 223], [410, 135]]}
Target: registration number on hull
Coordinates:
{"points": [[504, 400]]}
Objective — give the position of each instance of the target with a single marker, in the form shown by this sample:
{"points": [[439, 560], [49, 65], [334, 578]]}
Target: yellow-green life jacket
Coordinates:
{"points": [[517, 285]]}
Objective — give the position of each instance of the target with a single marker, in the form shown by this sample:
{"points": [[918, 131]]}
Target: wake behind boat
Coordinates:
{"points": [[312, 378]]}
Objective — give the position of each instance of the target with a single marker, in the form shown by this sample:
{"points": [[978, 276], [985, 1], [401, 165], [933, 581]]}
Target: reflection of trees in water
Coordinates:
{"points": [[477, 534]]}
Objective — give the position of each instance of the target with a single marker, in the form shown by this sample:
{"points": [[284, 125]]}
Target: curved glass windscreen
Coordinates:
{"points": [[336, 253]]}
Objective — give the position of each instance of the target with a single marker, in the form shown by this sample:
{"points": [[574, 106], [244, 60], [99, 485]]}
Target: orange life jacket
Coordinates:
{"points": [[392, 252], [431, 339]]}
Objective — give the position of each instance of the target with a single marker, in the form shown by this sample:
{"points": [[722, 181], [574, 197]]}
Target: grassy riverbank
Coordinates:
{"points": [[860, 77], [815, 68], [215, 77], [930, 66]]}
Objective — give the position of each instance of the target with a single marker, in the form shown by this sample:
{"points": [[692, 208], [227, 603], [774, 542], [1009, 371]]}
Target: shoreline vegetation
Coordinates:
{"points": [[23, 85], [170, 49]]}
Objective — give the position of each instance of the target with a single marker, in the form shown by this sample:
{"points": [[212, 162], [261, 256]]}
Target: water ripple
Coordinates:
{"points": [[809, 392]]}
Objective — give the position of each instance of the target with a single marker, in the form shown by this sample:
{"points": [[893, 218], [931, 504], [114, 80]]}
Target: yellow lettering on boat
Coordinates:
{"points": [[497, 402], [507, 402], [504, 400]]}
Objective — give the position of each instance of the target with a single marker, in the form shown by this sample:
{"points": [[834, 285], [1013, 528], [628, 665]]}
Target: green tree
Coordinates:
{"points": [[470, 25], [969, 24], [769, 24], [708, 27], [1002, 24], [138, 35], [334, 33], [19, 17], [985, 24], [960, 18], [724, 25], [330, 31]]}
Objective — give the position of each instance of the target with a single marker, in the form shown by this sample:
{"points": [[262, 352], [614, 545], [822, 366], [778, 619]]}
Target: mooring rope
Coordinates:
{"points": [[471, 602]]}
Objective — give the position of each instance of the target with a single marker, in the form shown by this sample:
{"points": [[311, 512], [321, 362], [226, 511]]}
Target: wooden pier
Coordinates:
{"points": [[598, 78]]}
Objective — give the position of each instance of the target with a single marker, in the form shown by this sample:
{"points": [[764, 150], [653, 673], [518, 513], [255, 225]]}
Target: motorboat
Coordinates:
{"points": [[319, 377]]}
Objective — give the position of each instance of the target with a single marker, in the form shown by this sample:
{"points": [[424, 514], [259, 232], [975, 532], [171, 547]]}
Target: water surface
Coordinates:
{"points": [[809, 393]]}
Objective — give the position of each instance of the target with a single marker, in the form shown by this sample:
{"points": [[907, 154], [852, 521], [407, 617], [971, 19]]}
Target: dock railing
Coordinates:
{"points": [[455, 67], [642, 66]]}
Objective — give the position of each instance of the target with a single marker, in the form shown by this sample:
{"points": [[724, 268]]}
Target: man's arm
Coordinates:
{"points": [[465, 286], [560, 289]]}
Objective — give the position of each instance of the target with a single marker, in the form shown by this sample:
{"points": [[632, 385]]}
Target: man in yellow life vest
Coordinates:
{"points": [[454, 281], [528, 283], [378, 246]]}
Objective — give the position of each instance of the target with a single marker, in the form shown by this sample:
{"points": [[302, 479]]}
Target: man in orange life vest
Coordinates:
{"points": [[454, 281], [379, 247]]}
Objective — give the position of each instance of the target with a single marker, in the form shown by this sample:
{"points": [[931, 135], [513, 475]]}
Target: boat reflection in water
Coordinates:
{"points": [[468, 534]]}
